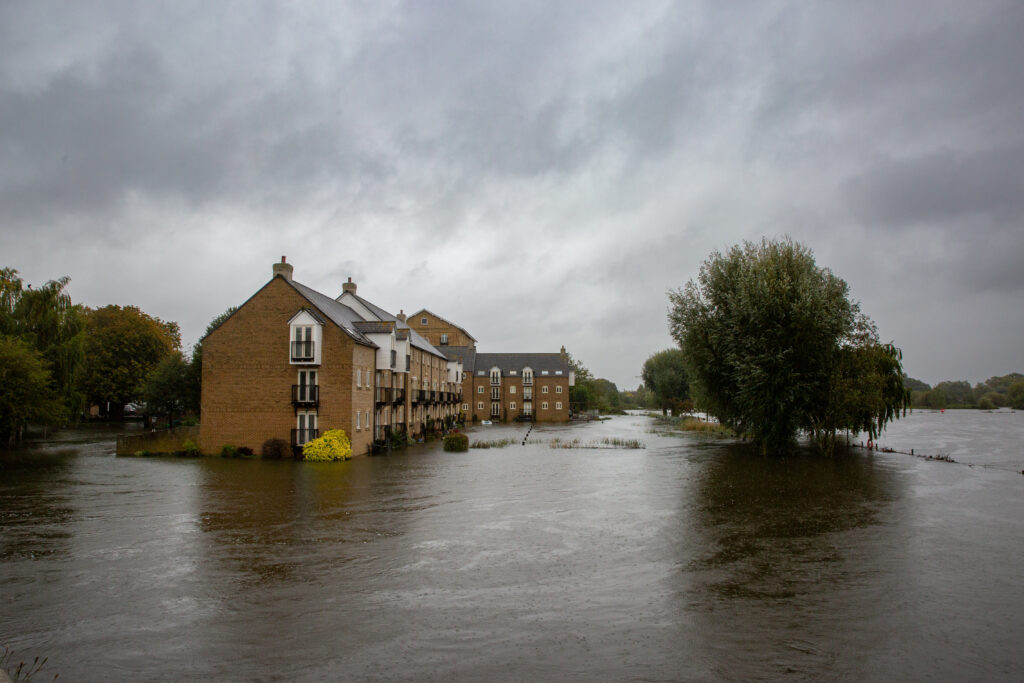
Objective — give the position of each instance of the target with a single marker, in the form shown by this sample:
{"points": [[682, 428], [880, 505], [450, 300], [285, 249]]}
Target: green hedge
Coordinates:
{"points": [[456, 442]]}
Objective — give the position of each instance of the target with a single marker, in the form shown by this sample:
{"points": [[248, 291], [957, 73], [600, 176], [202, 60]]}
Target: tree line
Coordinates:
{"points": [[995, 392], [58, 359]]}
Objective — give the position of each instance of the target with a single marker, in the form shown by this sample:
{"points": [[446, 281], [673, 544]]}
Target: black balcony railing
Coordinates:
{"points": [[383, 394], [301, 436], [398, 395], [302, 351], [527, 381], [421, 395], [305, 394]]}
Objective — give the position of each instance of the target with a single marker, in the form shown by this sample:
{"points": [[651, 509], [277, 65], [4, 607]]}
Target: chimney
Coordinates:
{"points": [[283, 269], [401, 316], [348, 287], [562, 352]]}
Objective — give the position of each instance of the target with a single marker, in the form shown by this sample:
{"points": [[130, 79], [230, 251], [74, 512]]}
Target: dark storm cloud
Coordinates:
{"points": [[589, 155], [942, 187]]}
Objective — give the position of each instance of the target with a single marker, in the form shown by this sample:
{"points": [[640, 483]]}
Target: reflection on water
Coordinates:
{"points": [[692, 559]]}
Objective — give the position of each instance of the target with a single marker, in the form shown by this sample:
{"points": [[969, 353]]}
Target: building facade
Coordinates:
{"points": [[502, 386], [292, 363]]}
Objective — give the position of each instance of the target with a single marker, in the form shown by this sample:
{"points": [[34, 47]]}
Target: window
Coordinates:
{"points": [[527, 393], [512, 405], [512, 389], [558, 389], [408, 362], [359, 377], [495, 393], [543, 372], [527, 408], [527, 376], [394, 357], [558, 405], [423, 321], [544, 389], [544, 405], [558, 372], [444, 339], [495, 376], [306, 390], [465, 407], [512, 372], [303, 348], [480, 389], [479, 405], [305, 428], [359, 420], [495, 409]]}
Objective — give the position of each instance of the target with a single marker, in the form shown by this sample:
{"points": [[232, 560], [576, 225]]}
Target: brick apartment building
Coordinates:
{"points": [[501, 386], [292, 362]]}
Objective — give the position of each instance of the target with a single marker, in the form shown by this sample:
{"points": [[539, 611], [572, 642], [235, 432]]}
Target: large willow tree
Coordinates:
{"points": [[774, 347]]}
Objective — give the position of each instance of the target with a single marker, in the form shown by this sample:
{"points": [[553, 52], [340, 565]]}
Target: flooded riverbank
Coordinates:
{"points": [[689, 559]]}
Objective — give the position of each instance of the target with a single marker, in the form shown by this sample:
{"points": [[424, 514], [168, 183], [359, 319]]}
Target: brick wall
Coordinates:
{"points": [[247, 376]]}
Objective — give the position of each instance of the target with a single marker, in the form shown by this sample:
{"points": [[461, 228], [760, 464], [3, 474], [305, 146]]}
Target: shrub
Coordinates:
{"points": [[275, 449], [244, 452], [190, 448], [456, 442], [229, 452], [190, 421], [333, 445]]}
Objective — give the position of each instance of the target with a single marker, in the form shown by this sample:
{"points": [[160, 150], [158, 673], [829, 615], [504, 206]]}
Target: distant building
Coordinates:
{"points": [[501, 386]]}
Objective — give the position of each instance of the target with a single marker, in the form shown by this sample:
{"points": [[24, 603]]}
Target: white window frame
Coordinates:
{"points": [[544, 405], [479, 405], [558, 405], [558, 389], [544, 389], [512, 389], [512, 405], [480, 389]]}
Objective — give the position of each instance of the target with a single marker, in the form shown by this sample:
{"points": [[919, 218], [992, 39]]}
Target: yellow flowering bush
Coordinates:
{"points": [[333, 445]]}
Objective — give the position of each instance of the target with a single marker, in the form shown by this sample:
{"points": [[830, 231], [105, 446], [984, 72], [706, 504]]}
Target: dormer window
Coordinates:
{"points": [[527, 376], [305, 332], [444, 339], [495, 375]]}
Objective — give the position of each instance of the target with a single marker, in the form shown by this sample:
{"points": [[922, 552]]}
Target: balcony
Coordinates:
{"points": [[527, 380], [301, 436], [398, 395], [383, 395], [305, 395], [495, 380], [303, 351]]}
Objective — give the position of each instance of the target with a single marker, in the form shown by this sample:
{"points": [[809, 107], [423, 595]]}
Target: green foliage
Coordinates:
{"points": [[166, 390], [915, 384], [664, 373], [46, 320], [275, 449], [27, 396], [774, 347], [228, 452], [122, 347], [493, 443], [457, 443], [934, 399], [1015, 395], [958, 394], [333, 445], [190, 449]]}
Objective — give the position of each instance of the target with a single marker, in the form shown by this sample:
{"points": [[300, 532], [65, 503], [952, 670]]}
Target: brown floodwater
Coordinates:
{"points": [[690, 559]]}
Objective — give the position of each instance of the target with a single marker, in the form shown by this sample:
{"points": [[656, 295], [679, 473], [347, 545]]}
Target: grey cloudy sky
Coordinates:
{"points": [[539, 172]]}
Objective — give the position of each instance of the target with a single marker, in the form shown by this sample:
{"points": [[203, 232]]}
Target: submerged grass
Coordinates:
{"points": [[607, 442], [493, 443]]}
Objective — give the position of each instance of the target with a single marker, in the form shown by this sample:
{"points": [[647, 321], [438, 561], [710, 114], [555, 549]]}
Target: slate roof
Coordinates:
{"points": [[474, 362], [465, 354], [374, 326], [340, 314], [415, 339]]}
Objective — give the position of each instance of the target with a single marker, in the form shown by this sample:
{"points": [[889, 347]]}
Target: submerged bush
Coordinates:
{"points": [[190, 448], [493, 443], [456, 442], [228, 452], [333, 445], [275, 449], [244, 452]]}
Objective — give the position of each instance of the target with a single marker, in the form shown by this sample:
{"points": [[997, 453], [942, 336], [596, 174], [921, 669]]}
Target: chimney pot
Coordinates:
{"points": [[348, 287], [283, 269]]}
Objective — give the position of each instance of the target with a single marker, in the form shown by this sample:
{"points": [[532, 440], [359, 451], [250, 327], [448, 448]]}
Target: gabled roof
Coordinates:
{"points": [[444, 320]]}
